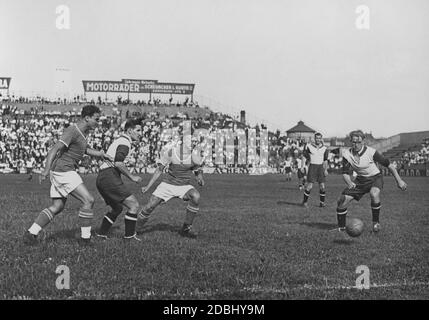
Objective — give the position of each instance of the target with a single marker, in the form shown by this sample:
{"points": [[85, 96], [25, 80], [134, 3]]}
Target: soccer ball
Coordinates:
{"points": [[354, 227]]}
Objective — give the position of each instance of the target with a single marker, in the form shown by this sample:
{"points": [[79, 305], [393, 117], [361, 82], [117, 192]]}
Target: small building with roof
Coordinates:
{"points": [[300, 132]]}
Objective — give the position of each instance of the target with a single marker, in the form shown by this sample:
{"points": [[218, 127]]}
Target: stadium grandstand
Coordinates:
{"points": [[30, 126]]}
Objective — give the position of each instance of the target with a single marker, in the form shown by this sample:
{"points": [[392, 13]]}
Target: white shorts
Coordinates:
{"points": [[62, 183], [166, 191]]}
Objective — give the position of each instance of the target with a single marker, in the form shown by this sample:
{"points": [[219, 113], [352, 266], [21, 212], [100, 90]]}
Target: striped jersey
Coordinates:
{"points": [[118, 150], [316, 154], [300, 163], [363, 162], [75, 142], [180, 167]]}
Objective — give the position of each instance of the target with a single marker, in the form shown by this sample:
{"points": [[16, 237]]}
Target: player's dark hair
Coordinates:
{"points": [[357, 133], [318, 134], [89, 110], [131, 123]]}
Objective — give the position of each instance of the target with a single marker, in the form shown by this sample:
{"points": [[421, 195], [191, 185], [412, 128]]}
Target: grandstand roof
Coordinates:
{"points": [[300, 127]]}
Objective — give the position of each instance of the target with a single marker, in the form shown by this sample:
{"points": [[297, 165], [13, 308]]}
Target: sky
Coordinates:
{"points": [[281, 61]]}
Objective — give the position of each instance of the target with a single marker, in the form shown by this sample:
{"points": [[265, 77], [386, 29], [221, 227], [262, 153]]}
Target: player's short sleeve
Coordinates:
{"points": [[347, 168], [326, 155], [165, 157], [121, 153], [67, 136], [380, 159], [306, 152]]}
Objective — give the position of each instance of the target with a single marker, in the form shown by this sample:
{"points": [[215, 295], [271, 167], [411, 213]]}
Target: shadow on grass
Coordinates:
{"points": [[345, 242], [63, 234], [283, 187], [73, 233], [297, 204], [159, 227], [320, 225]]}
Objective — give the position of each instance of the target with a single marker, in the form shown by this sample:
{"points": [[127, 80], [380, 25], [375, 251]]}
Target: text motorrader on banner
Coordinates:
{"points": [[138, 86]]}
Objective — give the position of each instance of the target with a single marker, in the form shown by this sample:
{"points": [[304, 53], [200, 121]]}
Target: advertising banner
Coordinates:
{"points": [[4, 83], [138, 86]]}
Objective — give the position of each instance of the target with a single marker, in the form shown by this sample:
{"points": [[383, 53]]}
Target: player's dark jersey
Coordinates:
{"points": [[76, 144], [364, 162], [180, 167]]}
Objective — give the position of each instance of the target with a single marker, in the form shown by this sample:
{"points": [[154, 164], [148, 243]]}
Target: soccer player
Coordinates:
{"points": [[317, 156], [288, 168], [362, 159], [176, 183], [111, 186], [61, 164], [301, 170]]}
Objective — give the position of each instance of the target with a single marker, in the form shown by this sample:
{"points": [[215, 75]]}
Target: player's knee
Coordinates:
{"points": [[195, 197], [341, 201], [56, 208], [134, 206], [374, 193]]}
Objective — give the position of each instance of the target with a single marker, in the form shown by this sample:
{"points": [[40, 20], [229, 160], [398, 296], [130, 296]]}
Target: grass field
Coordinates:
{"points": [[254, 242]]}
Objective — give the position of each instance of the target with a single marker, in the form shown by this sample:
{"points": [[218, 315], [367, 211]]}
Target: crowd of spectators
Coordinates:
{"points": [[83, 99], [420, 156], [26, 137]]}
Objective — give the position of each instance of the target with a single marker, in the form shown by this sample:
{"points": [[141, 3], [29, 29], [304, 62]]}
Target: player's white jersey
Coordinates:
{"points": [[363, 163], [316, 154], [124, 141]]}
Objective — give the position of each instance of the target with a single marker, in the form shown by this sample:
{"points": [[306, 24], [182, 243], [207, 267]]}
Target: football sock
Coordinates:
{"points": [[191, 211], [375, 207], [35, 229], [341, 217], [106, 224], [44, 217], [306, 195], [143, 214], [85, 219], [322, 197], [130, 224], [85, 232]]}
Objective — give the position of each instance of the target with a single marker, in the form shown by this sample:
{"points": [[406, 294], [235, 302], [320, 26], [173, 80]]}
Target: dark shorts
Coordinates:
{"points": [[111, 186], [316, 173], [364, 185], [288, 169], [302, 174]]}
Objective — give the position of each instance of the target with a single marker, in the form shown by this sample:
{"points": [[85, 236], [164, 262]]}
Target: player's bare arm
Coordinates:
{"points": [[98, 154], [348, 180], [124, 170], [401, 183], [199, 177], [57, 148], [386, 163], [325, 167], [155, 177]]}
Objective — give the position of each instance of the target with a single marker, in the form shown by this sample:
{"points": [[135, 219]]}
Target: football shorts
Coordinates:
{"points": [[166, 191], [62, 183], [316, 173], [364, 185], [111, 187]]}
